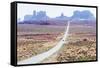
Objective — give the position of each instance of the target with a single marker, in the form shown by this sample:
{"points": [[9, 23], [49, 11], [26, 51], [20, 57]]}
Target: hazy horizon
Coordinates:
{"points": [[51, 10]]}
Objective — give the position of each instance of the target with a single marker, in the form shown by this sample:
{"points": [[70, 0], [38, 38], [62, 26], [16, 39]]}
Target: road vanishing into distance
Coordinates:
{"points": [[40, 57]]}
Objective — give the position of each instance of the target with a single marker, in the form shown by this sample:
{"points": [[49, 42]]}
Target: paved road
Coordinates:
{"points": [[40, 57]]}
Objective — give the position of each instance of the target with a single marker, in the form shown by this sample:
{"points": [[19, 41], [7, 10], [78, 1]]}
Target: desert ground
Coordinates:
{"points": [[35, 39]]}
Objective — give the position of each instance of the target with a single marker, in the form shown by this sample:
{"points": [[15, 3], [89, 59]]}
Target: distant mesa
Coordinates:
{"points": [[83, 15], [77, 15], [41, 15], [41, 18], [62, 17]]}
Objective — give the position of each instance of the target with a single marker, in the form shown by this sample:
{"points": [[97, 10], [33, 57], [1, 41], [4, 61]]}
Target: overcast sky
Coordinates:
{"points": [[52, 11]]}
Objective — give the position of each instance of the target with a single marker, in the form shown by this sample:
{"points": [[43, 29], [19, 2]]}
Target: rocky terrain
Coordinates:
{"points": [[31, 45], [78, 51]]}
